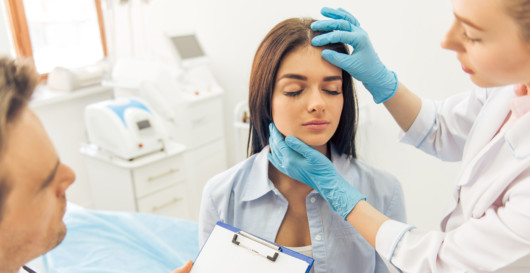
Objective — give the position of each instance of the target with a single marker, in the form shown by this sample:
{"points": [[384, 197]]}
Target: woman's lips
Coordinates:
{"points": [[467, 70], [316, 124]]}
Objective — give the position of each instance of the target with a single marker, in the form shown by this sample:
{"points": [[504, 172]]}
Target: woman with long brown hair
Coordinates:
{"points": [[305, 96]]}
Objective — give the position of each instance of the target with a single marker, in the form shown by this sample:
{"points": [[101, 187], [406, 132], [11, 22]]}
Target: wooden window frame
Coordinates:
{"points": [[20, 30]]}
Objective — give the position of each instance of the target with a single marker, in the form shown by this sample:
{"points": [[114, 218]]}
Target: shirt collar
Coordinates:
{"points": [[520, 105], [259, 183]]}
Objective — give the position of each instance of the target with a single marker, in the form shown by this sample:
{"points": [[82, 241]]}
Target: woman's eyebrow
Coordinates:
{"points": [[467, 22], [333, 78], [304, 78], [293, 76]]}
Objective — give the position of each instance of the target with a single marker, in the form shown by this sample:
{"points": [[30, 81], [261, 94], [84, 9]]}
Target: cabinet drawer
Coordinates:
{"points": [[169, 202], [206, 120], [158, 175]]}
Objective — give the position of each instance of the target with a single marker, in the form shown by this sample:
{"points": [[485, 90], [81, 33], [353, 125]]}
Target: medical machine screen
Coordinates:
{"points": [[143, 124], [187, 46]]}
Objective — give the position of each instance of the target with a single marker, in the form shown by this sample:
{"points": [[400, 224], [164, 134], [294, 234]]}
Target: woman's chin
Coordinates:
{"points": [[315, 143]]}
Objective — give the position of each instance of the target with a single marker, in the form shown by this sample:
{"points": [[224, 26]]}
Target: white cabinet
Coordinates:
{"points": [[155, 183], [199, 126]]}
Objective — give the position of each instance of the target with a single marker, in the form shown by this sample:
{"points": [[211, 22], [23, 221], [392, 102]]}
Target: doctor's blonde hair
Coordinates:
{"points": [[18, 79], [285, 37], [519, 10]]}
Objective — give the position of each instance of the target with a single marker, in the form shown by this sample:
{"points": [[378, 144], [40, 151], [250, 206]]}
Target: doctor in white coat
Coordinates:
{"points": [[487, 228]]}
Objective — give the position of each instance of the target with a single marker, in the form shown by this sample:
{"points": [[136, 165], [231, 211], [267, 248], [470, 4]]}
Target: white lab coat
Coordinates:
{"points": [[487, 227]]}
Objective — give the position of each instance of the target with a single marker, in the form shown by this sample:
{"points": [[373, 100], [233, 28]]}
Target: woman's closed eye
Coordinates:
{"points": [[293, 93], [298, 92], [293, 89], [333, 92]]}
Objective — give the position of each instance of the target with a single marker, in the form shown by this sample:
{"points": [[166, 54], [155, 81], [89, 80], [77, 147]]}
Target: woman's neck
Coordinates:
{"points": [[289, 187], [522, 89]]}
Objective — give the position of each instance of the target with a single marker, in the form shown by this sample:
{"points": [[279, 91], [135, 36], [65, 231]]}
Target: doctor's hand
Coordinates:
{"points": [[363, 63], [186, 268], [305, 164]]}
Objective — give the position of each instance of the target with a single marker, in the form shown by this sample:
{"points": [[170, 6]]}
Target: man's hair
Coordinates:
{"points": [[17, 82], [284, 38]]}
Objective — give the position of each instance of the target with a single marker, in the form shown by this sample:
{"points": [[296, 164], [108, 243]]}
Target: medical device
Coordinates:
{"points": [[195, 76], [125, 127], [187, 49]]}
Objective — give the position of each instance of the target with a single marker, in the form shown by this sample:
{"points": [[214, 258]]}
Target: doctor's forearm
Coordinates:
{"points": [[404, 106], [366, 220]]}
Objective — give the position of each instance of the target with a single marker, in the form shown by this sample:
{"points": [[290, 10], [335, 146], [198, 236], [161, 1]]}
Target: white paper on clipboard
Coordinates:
{"points": [[229, 249]]}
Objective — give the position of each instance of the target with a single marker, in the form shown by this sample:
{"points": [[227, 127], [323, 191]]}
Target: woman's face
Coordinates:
{"points": [[307, 100], [488, 43]]}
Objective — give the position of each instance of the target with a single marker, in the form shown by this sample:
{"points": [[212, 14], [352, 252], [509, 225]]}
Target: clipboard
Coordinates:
{"points": [[229, 249]]}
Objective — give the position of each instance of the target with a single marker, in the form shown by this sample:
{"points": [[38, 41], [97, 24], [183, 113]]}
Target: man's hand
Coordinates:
{"points": [[184, 269]]}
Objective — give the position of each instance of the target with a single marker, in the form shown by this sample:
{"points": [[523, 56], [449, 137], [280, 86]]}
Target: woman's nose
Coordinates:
{"points": [[316, 102], [453, 38]]}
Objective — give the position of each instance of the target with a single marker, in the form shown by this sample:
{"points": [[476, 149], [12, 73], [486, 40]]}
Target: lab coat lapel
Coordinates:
{"points": [[507, 158], [480, 138], [488, 122], [512, 159], [478, 150]]}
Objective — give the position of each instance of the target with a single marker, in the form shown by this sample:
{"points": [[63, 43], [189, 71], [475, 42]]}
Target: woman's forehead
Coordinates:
{"points": [[307, 60]]}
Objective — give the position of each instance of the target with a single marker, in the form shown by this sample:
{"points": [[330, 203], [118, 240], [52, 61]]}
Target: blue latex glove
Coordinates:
{"points": [[363, 64], [305, 164]]}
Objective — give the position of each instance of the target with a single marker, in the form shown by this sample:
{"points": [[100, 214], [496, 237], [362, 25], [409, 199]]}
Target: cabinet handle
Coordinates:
{"points": [[170, 202], [199, 121], [152, 178]]}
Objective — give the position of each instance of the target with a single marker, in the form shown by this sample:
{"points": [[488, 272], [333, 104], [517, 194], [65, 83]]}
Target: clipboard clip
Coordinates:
{"points": [[257, 240]]}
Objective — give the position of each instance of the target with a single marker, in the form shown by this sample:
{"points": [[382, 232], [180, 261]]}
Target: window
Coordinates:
{"points": [[55, 33]]}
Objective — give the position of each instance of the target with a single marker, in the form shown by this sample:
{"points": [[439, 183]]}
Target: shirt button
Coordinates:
{"points": [[318, 237], [313, 199]]}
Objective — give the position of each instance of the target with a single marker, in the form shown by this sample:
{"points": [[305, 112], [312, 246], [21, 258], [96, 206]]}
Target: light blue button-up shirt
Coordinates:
{"points": [[244, 197]]}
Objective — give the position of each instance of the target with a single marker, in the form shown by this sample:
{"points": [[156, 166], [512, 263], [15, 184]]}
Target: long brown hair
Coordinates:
{"points": [[281, 40]]}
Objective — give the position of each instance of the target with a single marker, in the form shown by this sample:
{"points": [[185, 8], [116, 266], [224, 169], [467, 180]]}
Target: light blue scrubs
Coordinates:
{"points": [[244, 197]]}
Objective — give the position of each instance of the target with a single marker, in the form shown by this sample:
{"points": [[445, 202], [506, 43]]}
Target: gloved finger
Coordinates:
{"points": [[275, 162], [330, 25], [339, 14], [276, 139], [276, 152], [300, 147], [341, 60], [353, 38], [274, 136]]}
